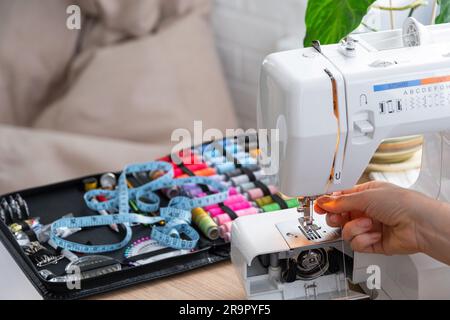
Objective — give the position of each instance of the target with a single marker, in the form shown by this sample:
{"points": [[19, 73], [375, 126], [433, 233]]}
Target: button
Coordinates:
{"points": [[364, 126]]}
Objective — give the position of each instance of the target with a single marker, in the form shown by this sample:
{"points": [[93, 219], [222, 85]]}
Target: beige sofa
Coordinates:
{"points": [[79, 102]]}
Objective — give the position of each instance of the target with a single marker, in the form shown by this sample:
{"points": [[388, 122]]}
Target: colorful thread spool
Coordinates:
{"points": [[171, 192], [190, 187], [192, 167], [257, 193], [219, 177], [225, 218], [198, 192], [227, 237], [235, 207], [156, 174], [231, 192], [255, 153], [226, 167], [238, 172], [251, 185], [236, 181], [108, 181], [230, 201], [233, 148], [202, 173], [205, 223], [187, 158], [264, 201], [234, 155], [215, 152], [208, 172], [190, 158], [90, 184], [225, 228], [291, 203]]}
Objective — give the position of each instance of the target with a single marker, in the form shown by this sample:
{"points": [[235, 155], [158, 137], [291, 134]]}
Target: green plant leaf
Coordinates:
{"points": [[444, 16], [331, 20]]}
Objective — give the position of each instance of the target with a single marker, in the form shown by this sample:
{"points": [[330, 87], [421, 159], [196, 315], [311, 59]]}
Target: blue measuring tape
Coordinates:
{"points": [[177, 215]]}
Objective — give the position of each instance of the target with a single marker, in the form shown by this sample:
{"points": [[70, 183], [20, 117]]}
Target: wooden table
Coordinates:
{"points": [[216, 282]]}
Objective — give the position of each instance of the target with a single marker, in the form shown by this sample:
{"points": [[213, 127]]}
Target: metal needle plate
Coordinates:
{"points": [[297, 235]]}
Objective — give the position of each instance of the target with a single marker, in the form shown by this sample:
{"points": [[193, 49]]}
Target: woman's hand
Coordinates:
{"points": [[379, 217]]}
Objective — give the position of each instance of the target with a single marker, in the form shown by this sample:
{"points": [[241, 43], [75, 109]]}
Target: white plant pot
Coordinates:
{"points": [[382, 20], [376, 19]]}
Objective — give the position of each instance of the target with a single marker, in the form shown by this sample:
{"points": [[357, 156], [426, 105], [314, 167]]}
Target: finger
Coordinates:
{"points": [[318, 209], [334, 220], [337, 220], [363, 187], [346, 203], [356, 227], [366, 242]]}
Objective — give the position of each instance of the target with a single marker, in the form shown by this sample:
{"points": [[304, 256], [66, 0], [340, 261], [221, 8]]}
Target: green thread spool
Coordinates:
{"points": [[198, 214], [205, 223], [264, 201], [134, 206], [291, 203]]}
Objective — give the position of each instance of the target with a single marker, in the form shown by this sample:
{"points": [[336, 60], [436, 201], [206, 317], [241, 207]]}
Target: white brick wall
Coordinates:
{"points": [[246, 31]]}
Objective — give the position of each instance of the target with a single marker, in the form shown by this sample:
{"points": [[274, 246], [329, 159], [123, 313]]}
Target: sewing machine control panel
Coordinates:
{"points": [[413, 95], [393, 103]]}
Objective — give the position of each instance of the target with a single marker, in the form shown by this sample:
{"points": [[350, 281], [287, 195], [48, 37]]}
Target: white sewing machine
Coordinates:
{"points": [[332, 106]]}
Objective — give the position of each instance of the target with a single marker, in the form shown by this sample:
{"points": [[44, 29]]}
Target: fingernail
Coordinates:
{"points": [[365, 223], [334, 218], [324, 200], [376, 237]]}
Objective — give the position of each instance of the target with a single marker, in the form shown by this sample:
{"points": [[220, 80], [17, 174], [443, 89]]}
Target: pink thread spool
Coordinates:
{"points": [[235, 199], [225, 218], [196, 192], [199, 193], [193, 167], [215, 212], [240, 205], [235, 207], [258, 193], [228, 202], [225, 228], [227, 237], [232, 191]]}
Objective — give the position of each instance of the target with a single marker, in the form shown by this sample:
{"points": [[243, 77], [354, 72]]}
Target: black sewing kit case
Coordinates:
{"points": [[117, 270]]}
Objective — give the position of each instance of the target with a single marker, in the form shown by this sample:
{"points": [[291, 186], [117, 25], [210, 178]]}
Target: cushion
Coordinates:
{"points": [[30, 157], [118, 20], [144, 89], [171, 9], [132, 17], [35, 50]]}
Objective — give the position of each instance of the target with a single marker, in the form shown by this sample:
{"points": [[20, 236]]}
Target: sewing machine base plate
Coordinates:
{"points": [[319, 233]]}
